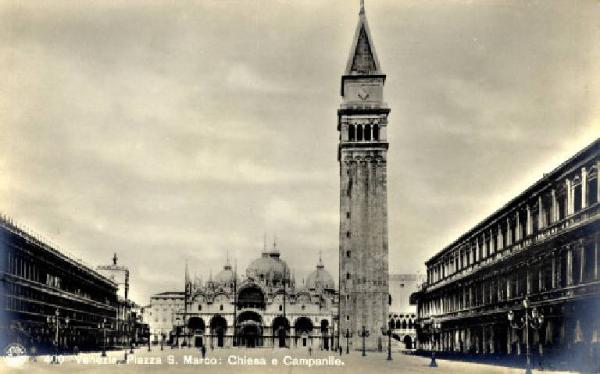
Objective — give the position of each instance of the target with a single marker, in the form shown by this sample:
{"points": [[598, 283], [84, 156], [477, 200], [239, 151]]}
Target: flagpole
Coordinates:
{"points": [[234, 303], [285, 276], [185, 302]]}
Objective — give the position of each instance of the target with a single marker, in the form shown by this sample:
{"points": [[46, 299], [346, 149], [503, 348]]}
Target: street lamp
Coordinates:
{"points": [[103, 327], [436, 326], [185, 332], [363, 334], [388, 332], [534, 321], [132, 327], [131, 342], [177, 328], [347, 335], [54, 321]]}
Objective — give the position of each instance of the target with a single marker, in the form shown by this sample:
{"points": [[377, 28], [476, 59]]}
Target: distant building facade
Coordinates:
{"points": [[538, 251], [403, 314], [161, 314], [126, 317], [41, 284], [362, 155]]}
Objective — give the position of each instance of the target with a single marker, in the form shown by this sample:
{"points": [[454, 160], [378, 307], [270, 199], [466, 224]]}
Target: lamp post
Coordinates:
{"points": [[185, 332], [388, 332], [534, 321], [177, 328], [103, 327], [54, 321], [347, 335], [148, 334], [132, 329], [132, 325], [435, 329], [363, 334]]}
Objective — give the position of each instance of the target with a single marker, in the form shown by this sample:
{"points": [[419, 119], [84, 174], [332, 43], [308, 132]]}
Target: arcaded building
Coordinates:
{"points": [[536, 254], [43, 291], [263, 308]]}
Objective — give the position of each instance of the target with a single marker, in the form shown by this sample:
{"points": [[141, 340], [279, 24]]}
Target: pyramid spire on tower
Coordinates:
{"points": [[363, 59]]}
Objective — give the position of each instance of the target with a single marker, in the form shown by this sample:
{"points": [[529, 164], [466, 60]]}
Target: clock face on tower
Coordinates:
{"points": [[363, 94], [370, 90]]}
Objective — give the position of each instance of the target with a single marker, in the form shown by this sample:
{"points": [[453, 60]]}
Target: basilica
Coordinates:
{"points": [[266, 307], [262, 308]]}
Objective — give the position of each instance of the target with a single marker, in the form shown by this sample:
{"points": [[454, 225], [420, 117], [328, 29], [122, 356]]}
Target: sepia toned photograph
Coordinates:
{"points": [[300, 186]]}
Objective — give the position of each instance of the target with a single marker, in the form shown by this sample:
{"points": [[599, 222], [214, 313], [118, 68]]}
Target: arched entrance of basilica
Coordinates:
{"points": [[281, 327], [325, 334], [249, 329], [196, 329], [218, 328], [303, 328]]}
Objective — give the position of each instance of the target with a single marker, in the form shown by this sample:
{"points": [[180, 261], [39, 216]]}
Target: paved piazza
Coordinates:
{"points": [[249, 361]]}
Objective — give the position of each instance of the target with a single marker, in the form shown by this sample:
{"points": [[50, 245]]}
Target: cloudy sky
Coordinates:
{"points": [[170, 130]]}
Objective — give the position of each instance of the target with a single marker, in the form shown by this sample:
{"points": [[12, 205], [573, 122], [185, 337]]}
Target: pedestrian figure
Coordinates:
{"points": [[203, 349], [309, 350], [340, 349]]}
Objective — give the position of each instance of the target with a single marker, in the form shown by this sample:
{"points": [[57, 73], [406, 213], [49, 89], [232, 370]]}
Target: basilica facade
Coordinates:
{"points": [[264, 307]]}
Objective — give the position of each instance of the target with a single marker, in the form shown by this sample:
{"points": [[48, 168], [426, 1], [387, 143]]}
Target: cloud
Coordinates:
{"points": [[166, 132], [241, 77]]}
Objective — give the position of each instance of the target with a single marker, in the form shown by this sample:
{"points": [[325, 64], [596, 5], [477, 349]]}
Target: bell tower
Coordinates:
{"points": [[362, 154]]}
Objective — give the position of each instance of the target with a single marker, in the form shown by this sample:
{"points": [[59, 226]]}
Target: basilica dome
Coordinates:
{"points": [[225, 277], [320, 278], [268, 268]]}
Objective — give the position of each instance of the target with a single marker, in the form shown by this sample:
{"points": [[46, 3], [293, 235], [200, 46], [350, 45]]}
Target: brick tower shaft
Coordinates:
{"points": [[362, 154]]}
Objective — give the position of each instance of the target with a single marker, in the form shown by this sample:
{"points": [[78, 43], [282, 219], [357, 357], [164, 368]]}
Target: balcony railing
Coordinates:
{"points": [[581, 217], [29, 235]]}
